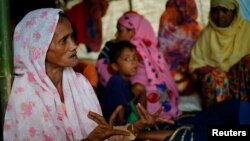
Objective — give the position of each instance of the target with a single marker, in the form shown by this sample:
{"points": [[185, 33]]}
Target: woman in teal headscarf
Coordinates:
{"points": [[219, 59]]}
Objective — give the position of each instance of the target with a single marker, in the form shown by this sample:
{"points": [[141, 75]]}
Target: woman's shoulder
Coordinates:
{"points": [[81, 77]]}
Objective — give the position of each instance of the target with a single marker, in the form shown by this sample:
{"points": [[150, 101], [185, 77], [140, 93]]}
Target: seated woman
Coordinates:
{"points": [[220, 58], [47, 95], [153, 71], [178, 32]]}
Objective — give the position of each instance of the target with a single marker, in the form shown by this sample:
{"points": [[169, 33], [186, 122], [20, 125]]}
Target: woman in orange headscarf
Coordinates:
{"points": [[178, 31]]}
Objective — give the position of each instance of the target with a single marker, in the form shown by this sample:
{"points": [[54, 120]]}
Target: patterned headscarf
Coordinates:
{"points": [[187, 7], [176, 39], [146, 44], [142, 27], [34, 110], [154, 70]]}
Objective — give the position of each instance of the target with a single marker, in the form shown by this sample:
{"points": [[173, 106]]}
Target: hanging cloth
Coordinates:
{"points": [[86, 19]]}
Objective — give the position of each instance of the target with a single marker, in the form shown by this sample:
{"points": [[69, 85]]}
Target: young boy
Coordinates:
{"points": [[118, 91]]}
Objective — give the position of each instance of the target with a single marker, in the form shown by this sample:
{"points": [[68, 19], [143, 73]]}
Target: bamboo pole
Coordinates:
{"points": [[6, 64], [130, 4]]}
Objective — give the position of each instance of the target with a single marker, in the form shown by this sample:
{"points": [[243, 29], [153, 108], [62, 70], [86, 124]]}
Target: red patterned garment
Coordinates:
{"points": [[86, 19], [178, 31]]}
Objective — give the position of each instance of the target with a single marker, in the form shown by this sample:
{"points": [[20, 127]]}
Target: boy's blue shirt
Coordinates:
{"points": [[117, 92]]}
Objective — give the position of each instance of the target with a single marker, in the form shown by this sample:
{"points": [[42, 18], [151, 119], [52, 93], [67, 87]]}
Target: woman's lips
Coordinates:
{"points": [[73, 55]]}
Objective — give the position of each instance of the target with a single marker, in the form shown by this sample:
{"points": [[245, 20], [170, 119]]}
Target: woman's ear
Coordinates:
{"points": [[114, 67]]}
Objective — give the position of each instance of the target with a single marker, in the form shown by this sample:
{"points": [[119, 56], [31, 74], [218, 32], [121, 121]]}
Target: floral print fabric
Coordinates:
{"points": [[218, 86], [35, 111], [176, 37], [153, 71]]}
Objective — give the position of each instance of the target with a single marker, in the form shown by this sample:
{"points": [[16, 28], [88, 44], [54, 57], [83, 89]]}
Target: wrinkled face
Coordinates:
{"points": [[221, 16], [124, 33], [62, 50], [127, 63]]}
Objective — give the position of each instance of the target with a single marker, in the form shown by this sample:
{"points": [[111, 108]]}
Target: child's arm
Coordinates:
{"points": [[139, 92]]}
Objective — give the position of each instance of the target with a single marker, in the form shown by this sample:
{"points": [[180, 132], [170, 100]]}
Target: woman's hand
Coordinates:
{"points": [[103, 130], [147, 120], [118, 115]]}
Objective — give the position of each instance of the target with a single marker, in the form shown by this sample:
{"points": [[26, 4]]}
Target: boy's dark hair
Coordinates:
{"points": [[117, 49]]}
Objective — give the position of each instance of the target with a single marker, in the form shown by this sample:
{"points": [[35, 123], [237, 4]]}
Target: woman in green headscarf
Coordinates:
{"points": [[220, 58]]}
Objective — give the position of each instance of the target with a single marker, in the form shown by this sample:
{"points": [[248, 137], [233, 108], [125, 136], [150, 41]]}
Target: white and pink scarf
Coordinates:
{"points": [[35, 111]]}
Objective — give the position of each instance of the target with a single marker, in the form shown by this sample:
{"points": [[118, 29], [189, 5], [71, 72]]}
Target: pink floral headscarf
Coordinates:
{"points": [[34, 110], [154, 71], [146, 43]]}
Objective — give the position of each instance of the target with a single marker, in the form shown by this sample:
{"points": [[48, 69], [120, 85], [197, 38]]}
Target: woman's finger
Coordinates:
{"points": [[142, 111], [97, 118], [118, 109], [105, 127], [119, 132], [158, 112]]}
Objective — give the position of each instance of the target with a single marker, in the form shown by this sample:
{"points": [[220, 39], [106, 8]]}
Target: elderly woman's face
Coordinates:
{"points": [[62, 50], [221, 16]]}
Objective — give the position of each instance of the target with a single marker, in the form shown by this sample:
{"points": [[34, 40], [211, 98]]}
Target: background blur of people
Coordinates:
{"points": [[153, 71], [86, 18]]}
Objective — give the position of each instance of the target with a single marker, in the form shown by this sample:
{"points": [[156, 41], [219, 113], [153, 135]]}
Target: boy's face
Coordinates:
{"points": [[126, 64]]}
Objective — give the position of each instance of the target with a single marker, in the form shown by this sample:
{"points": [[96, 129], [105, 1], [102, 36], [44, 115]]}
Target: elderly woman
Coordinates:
{"points": [[220, 57], [49, 101]]}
